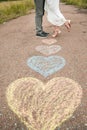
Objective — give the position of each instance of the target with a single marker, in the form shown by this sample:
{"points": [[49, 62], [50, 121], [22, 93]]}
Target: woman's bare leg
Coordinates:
{"points": [[68, 25], [56, 31]]}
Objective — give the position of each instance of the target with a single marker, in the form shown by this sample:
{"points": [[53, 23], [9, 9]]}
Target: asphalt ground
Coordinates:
{"points": [[18, 44]]}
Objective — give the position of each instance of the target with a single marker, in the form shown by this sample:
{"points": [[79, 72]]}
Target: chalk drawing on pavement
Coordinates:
{"points": [[44, 106], [49, 41], [46, 65], [48, 50]]}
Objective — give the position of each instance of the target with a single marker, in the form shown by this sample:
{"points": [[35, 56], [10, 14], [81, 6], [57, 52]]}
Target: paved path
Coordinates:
{"points": [[18, 43]]}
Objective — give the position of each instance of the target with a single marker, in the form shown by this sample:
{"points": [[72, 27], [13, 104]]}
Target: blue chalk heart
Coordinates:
{"points": [[46, 65]]}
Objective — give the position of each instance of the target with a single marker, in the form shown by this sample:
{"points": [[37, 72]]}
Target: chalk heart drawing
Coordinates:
{"points": [[44, 106], [49, 41], [48, 50], [46, 65]]}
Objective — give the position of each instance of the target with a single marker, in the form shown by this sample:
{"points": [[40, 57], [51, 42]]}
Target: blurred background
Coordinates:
{"points": [[80, 3], [10, 9]]}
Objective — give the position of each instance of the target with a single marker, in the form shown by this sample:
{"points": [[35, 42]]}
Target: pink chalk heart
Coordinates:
{"points": [[48, 50], [49, 41], [44, 106]]}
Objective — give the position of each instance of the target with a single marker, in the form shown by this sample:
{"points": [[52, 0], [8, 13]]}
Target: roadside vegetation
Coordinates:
{"points": [[79, 3], [10, 9]]}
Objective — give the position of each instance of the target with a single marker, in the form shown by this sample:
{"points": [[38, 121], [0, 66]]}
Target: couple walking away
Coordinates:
{"points": [[54, 16]]}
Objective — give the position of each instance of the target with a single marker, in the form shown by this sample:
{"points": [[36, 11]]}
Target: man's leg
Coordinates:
{"points": [[39, 15]]}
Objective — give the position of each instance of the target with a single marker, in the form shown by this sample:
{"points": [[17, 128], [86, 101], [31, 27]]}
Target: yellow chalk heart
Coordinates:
{"points": [[44, 106]]}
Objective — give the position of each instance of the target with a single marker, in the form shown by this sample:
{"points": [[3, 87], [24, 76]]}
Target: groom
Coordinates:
{"points": [[39, 18]]}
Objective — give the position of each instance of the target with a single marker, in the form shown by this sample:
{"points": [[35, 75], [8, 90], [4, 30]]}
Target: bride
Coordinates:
{"points": [[55, 17]]}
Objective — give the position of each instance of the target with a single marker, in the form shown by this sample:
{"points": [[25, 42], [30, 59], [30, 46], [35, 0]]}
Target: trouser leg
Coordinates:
{"points": [[39, 14]]}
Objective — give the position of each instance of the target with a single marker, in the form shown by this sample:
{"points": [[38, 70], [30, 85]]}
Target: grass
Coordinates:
{"points": [[14, 9], [10, 9], [79, 3]]}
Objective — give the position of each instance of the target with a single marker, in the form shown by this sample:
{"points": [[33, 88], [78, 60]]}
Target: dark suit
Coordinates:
{"points": [[39, 14]]}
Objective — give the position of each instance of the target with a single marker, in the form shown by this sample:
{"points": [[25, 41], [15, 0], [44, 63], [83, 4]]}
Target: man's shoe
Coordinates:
{"points": [[45, 33], [42, 34]]}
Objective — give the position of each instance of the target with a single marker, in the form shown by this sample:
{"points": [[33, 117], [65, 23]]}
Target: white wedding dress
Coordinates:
{"points": [[54, 15]]}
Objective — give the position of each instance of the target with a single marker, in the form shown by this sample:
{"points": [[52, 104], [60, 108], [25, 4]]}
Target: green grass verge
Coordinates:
{"points": [[14, 9], [79, 3]]}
